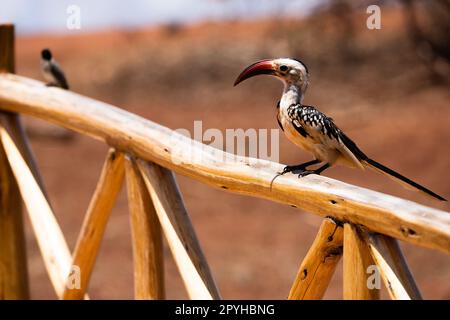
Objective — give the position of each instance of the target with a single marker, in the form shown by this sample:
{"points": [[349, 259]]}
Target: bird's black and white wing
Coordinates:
{"points": [[323, 132], [59, 76]]}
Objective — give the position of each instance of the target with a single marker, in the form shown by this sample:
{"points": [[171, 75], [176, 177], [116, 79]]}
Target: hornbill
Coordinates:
{"points": [[52, 71], [310, 129]]}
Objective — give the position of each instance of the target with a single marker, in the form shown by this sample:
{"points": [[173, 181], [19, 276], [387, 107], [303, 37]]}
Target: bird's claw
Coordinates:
{"points": [[301, 171], [305, 173], [293, 169], [287, 169]]}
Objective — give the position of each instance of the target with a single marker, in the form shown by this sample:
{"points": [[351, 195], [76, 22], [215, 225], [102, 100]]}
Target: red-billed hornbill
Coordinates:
{"points": [[52, 71], [310, 129]]}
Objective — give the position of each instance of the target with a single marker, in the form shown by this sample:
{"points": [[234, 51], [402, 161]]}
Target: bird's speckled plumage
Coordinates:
{"points": [[313, 131]]}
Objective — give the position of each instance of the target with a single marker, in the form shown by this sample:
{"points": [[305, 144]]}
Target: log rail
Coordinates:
{"points": [[359, 224]]}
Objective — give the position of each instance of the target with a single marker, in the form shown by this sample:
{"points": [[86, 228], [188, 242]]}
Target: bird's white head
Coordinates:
{"points": [[291, 72]]}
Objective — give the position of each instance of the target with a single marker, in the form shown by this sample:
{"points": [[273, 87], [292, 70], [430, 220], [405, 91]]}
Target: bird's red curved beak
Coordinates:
{"points": [[261, 67]]}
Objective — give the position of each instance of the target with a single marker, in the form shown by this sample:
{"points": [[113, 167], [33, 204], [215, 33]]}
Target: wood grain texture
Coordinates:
{"points": [[52, 244], [179, 232], [392, 265], [317, 268], [357, 259], [148, 253], [398, 218], [13, 260], [95, 220]]}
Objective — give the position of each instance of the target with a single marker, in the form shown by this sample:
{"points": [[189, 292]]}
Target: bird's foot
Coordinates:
{"points": [[305, 173], [51, 84], [300, 170], [287, 169], [293, 169]]}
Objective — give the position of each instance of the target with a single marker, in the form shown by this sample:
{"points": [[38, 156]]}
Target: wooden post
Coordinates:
{"points": [[7, 50], [148, 253], [95, 220], [357, 259], [13, 262], [179, 232], [318, 267], [50, 238], [394, 270]]}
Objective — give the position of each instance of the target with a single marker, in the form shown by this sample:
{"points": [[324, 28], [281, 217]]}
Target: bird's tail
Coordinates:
{"points": [[399, 178]]}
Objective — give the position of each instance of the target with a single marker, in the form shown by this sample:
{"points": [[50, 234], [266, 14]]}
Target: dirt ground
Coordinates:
{"points": [[174, 75]]}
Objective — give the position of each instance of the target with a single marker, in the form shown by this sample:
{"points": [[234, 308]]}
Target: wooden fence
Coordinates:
{"points": [[359, 224]]}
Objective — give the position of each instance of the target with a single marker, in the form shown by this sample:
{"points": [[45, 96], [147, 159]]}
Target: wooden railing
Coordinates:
{"points": [[359, 224]]}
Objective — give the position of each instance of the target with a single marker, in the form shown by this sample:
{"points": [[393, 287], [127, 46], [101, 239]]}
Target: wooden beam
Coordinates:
{"points": [[50, 239], [398, 218], [148, 253], [317, 269], [179, 232], [357, 259], [13, 260], [394, 270], [95, 220]]}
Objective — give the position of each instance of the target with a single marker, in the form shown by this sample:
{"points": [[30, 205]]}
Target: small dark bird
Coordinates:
{"points": [[310, 129], [52, 71]]}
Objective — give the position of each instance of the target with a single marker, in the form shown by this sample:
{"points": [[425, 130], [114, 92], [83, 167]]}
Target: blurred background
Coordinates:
{"points": [[175, 62]]}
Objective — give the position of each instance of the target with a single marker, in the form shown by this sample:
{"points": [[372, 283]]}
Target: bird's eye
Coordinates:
{"points": [[283, 68]]}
